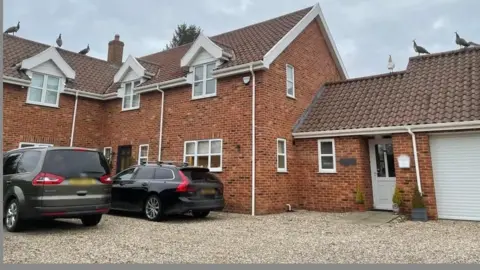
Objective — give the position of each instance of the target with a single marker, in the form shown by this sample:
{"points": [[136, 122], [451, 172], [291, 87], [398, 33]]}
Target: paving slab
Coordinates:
{"points": [[369, 217]]}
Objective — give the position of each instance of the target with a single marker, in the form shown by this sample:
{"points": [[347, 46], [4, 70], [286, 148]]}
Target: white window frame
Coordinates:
{"points": [[44, 90], [320, 155], [292, 80], [284, 141], [140, 153], [34, 144], [204, 81], [104, 151], [130, 106], [209, 154]]}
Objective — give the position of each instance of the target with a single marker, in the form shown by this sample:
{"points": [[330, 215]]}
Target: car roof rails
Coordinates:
{"points": [[173, 163]]}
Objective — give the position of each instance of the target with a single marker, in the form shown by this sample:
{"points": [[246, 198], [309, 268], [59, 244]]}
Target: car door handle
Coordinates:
{"points": [[144, 184], [122, 183], [8, 182]]}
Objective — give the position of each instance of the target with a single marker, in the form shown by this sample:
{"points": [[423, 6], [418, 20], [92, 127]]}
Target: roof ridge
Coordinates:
{"points": [[444, 53], [58, 48], [231, 31], [365, 78]]}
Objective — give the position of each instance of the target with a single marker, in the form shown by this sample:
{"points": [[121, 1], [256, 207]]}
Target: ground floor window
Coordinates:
{"points": [[29, 144], [143, 154], [281, 155], [204, 153], [326, 156]]}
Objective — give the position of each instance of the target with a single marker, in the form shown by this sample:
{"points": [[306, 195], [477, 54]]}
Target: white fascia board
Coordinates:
{"points": [[132, 63], [451, 126], [315, 13], [49, 54], [205, 43]]}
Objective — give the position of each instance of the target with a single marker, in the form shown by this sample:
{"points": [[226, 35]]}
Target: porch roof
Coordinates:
{"points": [[436, 88]]}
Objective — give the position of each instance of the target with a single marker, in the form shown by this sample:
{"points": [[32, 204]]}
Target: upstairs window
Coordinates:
{"points": [[290, 81], [44, 90], [130, 100], [204, 84]]}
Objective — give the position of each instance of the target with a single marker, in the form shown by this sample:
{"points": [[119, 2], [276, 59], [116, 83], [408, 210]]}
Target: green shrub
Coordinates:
{"points": [[397, 197], [417, 200], [359, 198]]}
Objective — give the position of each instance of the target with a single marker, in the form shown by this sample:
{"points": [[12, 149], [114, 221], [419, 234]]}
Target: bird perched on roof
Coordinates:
{"points": [[13, 29], [419, 49], [462, 42], [390, 65], [86, 50], [59, 40]]}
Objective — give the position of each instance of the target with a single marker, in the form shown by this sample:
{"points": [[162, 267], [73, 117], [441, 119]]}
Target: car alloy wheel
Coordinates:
{"points": [[153, 208], [11, 216]]}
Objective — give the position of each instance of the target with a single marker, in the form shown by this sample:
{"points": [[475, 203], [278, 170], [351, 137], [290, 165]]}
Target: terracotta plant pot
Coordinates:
{"points": [[361, 207]]}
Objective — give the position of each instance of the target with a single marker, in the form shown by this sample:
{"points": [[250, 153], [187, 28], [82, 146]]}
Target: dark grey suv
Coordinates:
{"points": [[55, 182]]}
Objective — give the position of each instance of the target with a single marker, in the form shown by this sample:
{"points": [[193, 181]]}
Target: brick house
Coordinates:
{"points": [[359, 131], [200, 102]]}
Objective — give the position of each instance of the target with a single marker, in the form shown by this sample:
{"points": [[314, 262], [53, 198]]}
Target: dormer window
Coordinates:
{"points": [[44, 90], [204, 84], [130, 100]]}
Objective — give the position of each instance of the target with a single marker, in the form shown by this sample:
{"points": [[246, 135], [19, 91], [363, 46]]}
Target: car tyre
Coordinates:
{"points": [[200, 214], [153, 209], [12, 216], [91, 220]]}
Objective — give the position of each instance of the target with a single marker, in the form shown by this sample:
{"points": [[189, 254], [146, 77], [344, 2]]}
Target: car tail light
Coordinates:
{"points": [[47, 179], [184, 187], [106, 179]]}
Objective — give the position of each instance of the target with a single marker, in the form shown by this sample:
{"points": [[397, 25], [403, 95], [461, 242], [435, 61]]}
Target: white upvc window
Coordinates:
{"points": [[29, 144], [326, 156], [44, 90], [130, 100], [281, 155], [204, 85], [204, 153], [107, 152], [143, 154], [290, 81]]}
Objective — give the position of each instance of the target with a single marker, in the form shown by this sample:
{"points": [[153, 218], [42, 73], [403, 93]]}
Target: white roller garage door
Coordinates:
{"points": [[456, 174]]}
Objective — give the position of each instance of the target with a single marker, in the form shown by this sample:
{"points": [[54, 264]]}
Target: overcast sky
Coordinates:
{"points": [[365, 31]]}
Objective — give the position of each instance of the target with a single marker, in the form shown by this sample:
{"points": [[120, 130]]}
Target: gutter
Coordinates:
{"points": [[415, 155], [74, 119], [253, 139], [389, 130], [160, 132]]}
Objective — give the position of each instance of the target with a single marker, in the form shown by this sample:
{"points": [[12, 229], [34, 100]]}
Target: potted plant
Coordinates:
{"points": [[359, 199], [419, 212], [397, 201]]}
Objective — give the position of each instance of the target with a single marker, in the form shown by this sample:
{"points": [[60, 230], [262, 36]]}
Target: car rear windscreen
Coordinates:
{"points": [[200, 175], [75, 163]]}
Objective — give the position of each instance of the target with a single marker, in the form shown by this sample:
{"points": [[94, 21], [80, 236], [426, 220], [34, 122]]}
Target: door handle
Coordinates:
{"points": [[8, 182], [122, 183], [144, 184]]}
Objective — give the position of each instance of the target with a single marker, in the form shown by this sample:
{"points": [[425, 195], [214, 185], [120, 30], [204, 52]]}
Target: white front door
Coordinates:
{"points": [[383, 173]]}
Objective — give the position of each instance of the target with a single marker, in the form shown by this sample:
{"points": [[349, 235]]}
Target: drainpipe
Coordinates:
{"points": [[74, 118], [160, 132], [415, 156], [253, 139]]}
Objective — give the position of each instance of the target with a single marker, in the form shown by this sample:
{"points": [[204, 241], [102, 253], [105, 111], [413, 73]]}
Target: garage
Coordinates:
{"points": [[456, 174]]}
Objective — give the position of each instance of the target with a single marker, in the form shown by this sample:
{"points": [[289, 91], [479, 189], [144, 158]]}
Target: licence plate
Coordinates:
{"points": [[82, 182], [208, 191]]}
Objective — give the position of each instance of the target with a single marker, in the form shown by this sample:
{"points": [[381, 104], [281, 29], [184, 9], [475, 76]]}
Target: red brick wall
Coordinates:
{"points": [[226, 117], [333, 192], [276, 115]]}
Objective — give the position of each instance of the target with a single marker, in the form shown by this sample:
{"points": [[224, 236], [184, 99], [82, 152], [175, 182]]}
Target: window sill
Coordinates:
{"points": [[327, 172], [42, 104], [130, 109], [203, 97], [282, 171], [216, 170], [291, 97]]}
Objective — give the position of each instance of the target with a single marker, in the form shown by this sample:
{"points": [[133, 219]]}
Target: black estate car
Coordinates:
{"points": [[55, 182], [163, 189]]}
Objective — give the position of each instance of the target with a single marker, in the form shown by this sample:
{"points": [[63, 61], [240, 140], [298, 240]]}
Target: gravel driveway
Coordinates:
{"points": [[299, 237]]}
